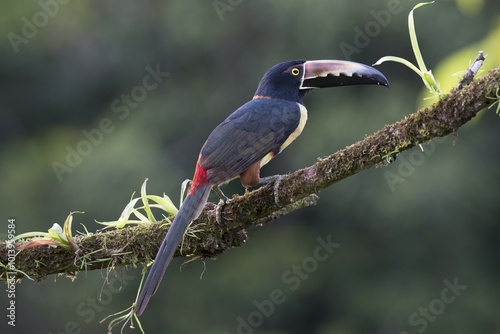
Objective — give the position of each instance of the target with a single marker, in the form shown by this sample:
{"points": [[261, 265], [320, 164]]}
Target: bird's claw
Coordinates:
{"points": [[218, 210], [276, 179], [276, 188], [223, 201]]}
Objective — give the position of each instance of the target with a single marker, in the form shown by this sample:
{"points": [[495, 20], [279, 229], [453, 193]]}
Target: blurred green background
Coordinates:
{"points": [[66, 66]]}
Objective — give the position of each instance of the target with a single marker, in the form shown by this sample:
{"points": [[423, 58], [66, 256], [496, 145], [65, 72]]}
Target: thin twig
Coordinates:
{"points": [[471, 71]]}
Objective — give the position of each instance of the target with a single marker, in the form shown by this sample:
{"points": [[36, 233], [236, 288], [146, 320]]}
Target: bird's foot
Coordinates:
{"points": [[223, 201], [276, 179]]}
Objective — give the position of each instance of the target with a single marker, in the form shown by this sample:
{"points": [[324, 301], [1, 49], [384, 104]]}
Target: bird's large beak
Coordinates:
{"points": [[331, 73]]}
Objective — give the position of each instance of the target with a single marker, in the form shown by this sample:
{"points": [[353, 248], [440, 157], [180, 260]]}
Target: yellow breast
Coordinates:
{"points": [[298, 130], [291, 138]]}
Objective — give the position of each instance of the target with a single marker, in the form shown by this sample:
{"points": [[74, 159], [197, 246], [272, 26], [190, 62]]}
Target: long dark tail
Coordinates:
{"points": [[190, 210]]}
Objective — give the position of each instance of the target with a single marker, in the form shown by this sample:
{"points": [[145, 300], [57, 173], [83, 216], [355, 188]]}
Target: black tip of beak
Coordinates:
{"points": [[332, 73]]}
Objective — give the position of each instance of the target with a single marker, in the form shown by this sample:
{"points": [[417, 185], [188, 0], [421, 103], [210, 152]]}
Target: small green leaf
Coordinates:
{"points": [[67, 230], [425, 74], [144, 213], [124, 217], [165, 203], [413, 37], [145, 202], [32, 235], [401, 61], [56, 233]]}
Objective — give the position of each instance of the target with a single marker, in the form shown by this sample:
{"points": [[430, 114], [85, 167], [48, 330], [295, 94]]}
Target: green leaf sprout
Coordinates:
{"points": [[143, 214], [426, 75]]}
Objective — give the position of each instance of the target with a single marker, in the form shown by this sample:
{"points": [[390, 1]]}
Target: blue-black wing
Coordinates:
{"points": [[257, 128]]}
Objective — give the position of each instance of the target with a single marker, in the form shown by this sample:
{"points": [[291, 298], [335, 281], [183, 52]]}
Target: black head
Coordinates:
{"points": [[290, 80], [282, 81]]}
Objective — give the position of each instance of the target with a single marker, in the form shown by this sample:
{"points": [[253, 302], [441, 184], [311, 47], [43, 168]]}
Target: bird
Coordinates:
{"points": [[249, 138]]}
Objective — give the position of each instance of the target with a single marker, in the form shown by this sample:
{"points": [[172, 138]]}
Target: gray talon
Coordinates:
{"points": [[218, 210], [276, 189], [276, 179]]}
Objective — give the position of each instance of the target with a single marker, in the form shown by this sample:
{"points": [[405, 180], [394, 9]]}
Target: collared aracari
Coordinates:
{"points": [[250, 137]]}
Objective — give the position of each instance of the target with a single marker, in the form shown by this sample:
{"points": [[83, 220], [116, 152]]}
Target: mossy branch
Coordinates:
{"points": [[136, 245]]}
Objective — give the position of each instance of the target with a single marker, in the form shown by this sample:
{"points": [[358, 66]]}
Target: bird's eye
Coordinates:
{"points": [[295, 71]]}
